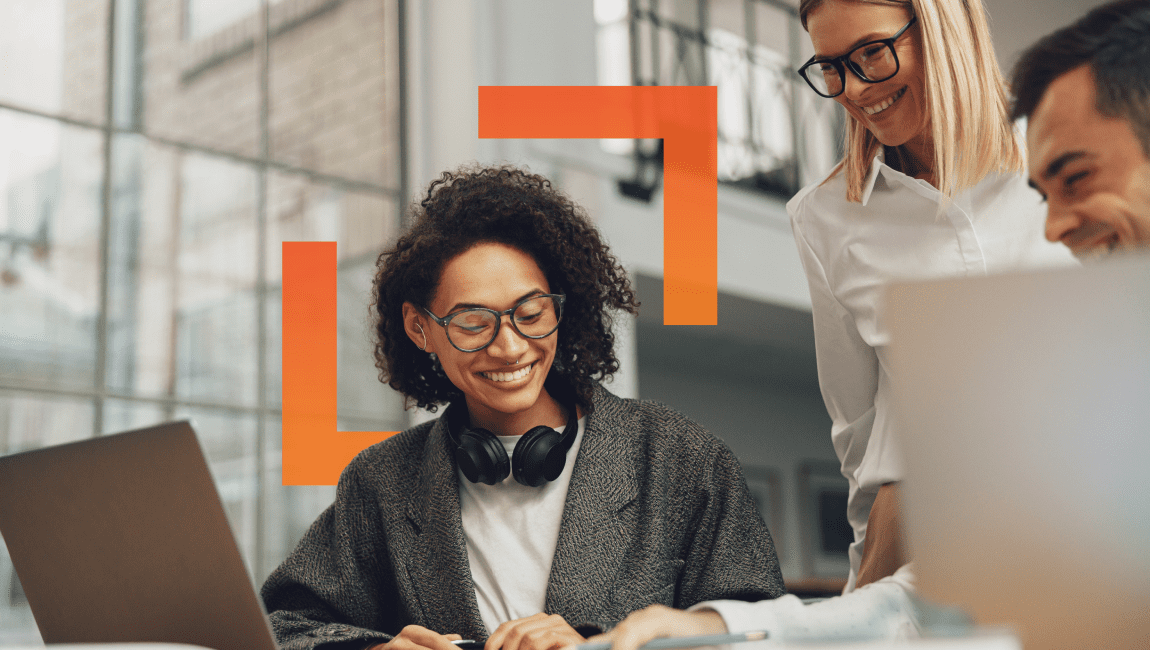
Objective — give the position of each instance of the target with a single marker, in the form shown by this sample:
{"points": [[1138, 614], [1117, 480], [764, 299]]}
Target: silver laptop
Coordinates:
{"points": [[123, 538], [1024, 406]]}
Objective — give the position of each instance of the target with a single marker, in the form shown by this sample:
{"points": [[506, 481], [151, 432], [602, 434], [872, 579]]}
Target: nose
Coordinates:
{"points": [[853, 87], [1060, 222], [508, 345]]}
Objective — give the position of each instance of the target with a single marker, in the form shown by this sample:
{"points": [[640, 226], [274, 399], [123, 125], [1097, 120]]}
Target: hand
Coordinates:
{"points": [[415, 637], [657, 621], [885, 550], [538, 632]]}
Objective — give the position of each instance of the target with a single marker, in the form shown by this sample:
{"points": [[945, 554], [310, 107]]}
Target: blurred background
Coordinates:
{"points": [[155, 153]]}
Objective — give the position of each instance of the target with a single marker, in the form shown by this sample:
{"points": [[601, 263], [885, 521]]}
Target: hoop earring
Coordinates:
{"points": [[424, 348]]}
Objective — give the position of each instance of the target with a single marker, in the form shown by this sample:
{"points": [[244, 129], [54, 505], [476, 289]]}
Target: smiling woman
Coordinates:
{"points": [[539, 507], [930, 185]]}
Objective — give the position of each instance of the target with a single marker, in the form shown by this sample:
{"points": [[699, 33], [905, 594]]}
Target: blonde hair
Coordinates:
{"points": [[965, 95]]}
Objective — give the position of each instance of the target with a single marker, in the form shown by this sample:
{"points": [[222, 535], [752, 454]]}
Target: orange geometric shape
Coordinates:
{"points": [[314, 451], [685, 117]]}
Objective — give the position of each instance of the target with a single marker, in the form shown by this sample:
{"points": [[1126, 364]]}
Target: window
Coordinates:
{"points": [[142, 210], [749, 50]]}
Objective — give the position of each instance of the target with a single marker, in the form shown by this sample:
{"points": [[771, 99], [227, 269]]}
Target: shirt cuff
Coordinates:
{"points": [[881, 610]]}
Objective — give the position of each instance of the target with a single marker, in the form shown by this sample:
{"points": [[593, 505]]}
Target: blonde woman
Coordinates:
{"points": [[931, 185]]}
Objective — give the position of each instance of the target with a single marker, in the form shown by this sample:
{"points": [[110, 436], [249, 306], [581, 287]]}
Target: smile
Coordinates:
{"points": [[508, 376], [883, 105]]}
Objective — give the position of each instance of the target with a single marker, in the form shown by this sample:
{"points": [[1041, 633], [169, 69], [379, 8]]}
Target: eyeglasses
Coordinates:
{"points": [[873, 61], [471, 330]]}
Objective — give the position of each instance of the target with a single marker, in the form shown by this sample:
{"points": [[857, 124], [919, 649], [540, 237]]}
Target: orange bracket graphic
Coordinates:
{"points": [[685, 117], [314, 451]]}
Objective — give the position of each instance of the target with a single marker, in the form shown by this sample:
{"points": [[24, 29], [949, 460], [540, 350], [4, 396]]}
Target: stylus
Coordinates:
{"points": [[686, 641]]}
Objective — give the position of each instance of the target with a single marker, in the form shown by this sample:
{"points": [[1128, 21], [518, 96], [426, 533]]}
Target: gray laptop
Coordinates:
{"points": [[123, 538], [1024, 405]]}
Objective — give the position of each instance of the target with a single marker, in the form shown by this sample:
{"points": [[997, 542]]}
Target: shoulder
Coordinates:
{"points": [[662, 430], [393, 460], [825, 193]]}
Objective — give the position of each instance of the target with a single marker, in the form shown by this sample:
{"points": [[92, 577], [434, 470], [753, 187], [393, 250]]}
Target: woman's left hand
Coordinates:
{"points": [[538, 632]]}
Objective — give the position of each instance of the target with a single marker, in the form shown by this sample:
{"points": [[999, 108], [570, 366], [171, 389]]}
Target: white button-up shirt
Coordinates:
{"points": [[850, 251]]}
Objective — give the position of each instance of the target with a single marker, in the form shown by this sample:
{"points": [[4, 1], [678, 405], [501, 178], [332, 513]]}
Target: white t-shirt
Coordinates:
{"points": [[511, 531], [850, 251]]}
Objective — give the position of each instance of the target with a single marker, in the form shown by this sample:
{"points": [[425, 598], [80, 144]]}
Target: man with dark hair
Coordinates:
{"points": [[1086, 92]]}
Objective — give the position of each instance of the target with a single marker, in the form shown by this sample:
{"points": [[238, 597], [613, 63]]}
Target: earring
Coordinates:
{"points": [[424, 348]]}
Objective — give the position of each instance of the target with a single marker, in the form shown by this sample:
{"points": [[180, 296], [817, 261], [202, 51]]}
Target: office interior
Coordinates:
{"points": [[154, 154]]}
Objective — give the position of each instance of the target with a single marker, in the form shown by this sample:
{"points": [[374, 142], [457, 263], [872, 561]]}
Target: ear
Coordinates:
{"points": [[417, 326]]}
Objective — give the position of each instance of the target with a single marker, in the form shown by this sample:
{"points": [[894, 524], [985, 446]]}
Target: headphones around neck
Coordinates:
{"points": [[538, 458]]}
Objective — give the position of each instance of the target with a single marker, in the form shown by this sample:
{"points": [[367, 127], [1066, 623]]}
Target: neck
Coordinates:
{"points": [[915, 158], [545, 411]]}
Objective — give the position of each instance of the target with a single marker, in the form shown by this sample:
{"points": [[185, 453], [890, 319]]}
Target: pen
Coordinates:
{"points": [[668, 643]]}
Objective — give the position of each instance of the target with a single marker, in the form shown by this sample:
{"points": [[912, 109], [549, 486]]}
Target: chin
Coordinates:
{"points": [[893, 137], [515, 401], [510, 401]]}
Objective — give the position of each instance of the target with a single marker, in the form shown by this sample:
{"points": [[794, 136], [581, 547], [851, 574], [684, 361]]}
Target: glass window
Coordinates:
{"points": [[204, 17], [125, 415], [182, 275], [362, 224], [331, 106], [289, 510], [50, 180], [771, 138], [152, 292], [204, 92], [55, 55]]}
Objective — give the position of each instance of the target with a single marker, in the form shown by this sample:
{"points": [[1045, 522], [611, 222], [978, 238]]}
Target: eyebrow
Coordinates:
{"points": [[472, 305], [873, 36], [1058, 163]]}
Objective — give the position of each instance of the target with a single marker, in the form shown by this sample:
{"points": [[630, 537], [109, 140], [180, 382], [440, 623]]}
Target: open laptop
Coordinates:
{"points": [[1024, 406], [123, 538]]}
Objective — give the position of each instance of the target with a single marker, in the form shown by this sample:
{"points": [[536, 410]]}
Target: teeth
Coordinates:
{"points": [[882, 106], [508, 376]]}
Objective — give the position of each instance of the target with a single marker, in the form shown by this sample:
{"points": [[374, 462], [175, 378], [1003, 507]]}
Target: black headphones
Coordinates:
{"points": [[539, 455]]}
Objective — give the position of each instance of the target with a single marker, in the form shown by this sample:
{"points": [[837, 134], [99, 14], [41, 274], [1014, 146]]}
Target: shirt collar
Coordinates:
{"points": [[872, 176], [892, 177]]}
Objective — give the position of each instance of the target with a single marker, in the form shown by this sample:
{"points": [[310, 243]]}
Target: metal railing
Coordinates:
{"points": [[773, 135]]}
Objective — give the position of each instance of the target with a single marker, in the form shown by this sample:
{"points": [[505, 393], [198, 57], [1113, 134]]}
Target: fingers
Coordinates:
{"points": [[498, 638], [538, 632], [640, 627], [416, 637], [658, 621]]}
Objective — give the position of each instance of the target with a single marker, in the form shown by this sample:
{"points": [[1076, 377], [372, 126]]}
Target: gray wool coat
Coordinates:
{"points": [[657, 512]]}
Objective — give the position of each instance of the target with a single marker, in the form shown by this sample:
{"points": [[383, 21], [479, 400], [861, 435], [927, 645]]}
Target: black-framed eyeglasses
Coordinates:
{"points": [[474, 328], [873, 61]]}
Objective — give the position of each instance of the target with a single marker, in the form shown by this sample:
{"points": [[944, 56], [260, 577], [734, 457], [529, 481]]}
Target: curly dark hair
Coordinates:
{"points": [[511, 206]]}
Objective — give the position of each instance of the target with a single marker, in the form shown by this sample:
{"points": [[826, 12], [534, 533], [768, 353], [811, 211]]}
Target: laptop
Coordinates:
{"points": [[1024, 407], [123, 538]]}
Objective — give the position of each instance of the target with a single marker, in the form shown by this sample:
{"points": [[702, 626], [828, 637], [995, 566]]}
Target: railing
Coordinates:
{"points": [[774, 134]]}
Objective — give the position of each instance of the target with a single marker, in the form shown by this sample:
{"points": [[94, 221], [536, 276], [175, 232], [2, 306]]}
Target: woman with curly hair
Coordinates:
{"points": [[539, 508]]}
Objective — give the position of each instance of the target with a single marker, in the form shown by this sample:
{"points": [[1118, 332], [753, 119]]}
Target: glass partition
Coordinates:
{"points": [[154, 154]]}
